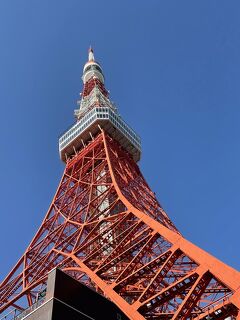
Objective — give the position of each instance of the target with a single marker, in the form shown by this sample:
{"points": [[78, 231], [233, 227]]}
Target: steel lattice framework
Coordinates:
{"points": [[106, 228]]}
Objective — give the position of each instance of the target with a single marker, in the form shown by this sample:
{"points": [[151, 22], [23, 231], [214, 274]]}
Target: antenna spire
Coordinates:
{"points": [[90, 54]]}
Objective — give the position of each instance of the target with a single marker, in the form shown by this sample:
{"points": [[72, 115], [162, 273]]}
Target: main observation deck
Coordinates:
{"points": [[91, 124]]}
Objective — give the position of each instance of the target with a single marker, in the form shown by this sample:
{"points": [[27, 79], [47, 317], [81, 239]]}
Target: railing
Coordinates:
{"points": [[11, 315], [30, 309], [16, 314]]}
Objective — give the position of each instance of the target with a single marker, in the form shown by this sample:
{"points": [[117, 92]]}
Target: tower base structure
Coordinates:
{"points": [[106, 229]]}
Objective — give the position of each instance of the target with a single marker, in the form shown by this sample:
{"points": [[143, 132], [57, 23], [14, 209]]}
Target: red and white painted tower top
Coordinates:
{"points": [[93, 80], [97, 112], [92, 68]]}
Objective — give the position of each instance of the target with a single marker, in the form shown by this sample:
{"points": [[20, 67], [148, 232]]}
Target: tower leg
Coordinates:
{"points": [[106, 229]]}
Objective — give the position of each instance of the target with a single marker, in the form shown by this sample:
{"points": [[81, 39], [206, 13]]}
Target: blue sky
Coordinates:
{"points": [[173, 69]]}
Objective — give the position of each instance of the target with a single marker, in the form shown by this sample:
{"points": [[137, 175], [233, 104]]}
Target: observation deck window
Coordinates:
{"points": [[93, 115]]}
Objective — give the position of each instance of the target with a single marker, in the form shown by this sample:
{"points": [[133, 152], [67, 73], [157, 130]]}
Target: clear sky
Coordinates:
{"points": [[172, 67]]}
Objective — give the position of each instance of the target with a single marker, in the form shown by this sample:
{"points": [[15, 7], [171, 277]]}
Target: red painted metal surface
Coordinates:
{"points": [[91, 84], [106, 228]]}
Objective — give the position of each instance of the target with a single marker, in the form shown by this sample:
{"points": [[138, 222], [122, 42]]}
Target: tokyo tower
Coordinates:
{"points": [[106, 229]]}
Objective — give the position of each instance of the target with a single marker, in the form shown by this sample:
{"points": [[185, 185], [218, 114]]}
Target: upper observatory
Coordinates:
{"points": [[97, 112]]}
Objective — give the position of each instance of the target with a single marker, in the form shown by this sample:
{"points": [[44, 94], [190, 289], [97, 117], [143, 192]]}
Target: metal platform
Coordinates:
{"points": [[90, 125]]}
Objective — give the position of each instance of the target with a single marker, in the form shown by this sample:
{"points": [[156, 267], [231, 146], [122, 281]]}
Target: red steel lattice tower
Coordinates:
{"points": [[106, 228]]}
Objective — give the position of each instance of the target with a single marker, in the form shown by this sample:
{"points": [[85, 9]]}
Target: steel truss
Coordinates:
{"points": [[106, 229]]}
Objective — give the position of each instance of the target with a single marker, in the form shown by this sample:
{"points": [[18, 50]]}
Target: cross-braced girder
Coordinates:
{"points": [[106, 229]]}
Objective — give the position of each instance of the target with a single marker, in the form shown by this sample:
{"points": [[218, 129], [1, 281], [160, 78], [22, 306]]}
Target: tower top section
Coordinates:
{"points": [[97, 112], [92, 68]]}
